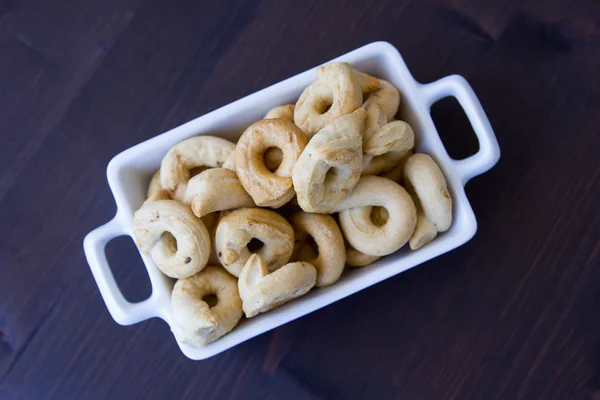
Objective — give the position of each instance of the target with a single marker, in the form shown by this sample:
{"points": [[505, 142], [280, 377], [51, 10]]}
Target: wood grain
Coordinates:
{"points": [[510, 315]]}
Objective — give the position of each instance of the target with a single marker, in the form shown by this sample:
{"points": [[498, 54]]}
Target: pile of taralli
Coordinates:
{"points": [[209, 218]]}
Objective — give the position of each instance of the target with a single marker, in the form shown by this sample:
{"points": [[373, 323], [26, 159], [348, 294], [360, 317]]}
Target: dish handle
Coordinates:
{"points": [[489, 150], [122, 311]]}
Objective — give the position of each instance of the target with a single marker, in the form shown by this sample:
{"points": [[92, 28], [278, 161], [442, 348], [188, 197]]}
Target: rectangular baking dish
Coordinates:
{"points": [[129, 174]]}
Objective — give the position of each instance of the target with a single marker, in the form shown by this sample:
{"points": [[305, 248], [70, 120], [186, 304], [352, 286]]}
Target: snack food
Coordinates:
{"points": [[338, 150], [325, 232], [197, 322], [157, 218], [384, 96], [397, 173], [216, 189], [262, 290], [285, 111], [425, 231], [385, 141], [387, 146], [269, 189], [238, 228], [195, 152], [355, 258], [360, 231], [335, 93], [330, 165], [425, 181], [154, 185]]}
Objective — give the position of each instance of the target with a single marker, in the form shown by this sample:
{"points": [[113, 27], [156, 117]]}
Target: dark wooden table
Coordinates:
{"points": [[513, 314]]}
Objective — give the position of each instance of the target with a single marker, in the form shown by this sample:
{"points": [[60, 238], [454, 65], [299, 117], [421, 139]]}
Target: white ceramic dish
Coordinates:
{"points": [[129, 173]]}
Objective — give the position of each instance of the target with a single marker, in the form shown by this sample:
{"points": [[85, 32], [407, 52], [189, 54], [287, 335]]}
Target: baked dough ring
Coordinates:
{"points": [[262, 291], [375, 119], [423, 177], [368, 83], [330, 165], [328, 237], [397, 173], [198, 151], [384, 95], [238, 228], [230, 162], [269, 189], [274, 156], [337, 86], [387, 147], [396, 136], [425, 231], [156, 192], [216, 189], [211, 221], [360, 231], [285, 111], [195, 322], [381, 106], [192, 250], [161, 194], [355, 258], [154, 186], [379, 216]]}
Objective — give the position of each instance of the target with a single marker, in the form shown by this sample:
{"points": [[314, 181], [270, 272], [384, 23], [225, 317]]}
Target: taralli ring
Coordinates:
{"points": [[355, 258], [397, 173], [211, 221], [423, 177], [274, 156], [269, 189], [368, 84], [384, 95], [330, 242], [216, 189], [425, 232], [396, 136], [230, 162], [378, 216], [195, 152], [262, 290], [330, 165], [336, 92], [161, 194], [375, 119], [192, 248], [285, 111], [195, 321], [238, 228], [359, 229], [387, 146], [154, 186], [156, 192]]}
